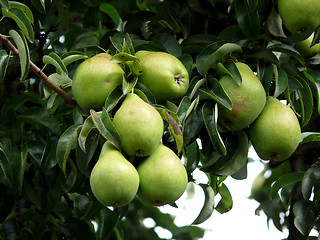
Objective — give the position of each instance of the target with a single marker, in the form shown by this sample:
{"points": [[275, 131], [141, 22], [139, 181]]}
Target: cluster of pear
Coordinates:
{"points": [[159, 177], [301, 17], [273, 127]]}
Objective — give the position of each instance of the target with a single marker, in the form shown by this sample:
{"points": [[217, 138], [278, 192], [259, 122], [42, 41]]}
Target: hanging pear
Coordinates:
{"points": [[275, 134], [163, 177], [140, 126], [114, 180]]}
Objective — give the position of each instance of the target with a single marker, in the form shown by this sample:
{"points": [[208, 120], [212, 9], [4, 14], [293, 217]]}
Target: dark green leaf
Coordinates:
{"points": [[248, 17], [304, 216], [192, 155], [107, 221], [309, 137], [72, 56], [261, 53], [4, 61], [285, 180], [56, 61], [24, 8], [78, 229], [113, 98], [6, 176], [208, 206], [210, 117], [128, 85], [24, 54], [281, 81], [67, 142], [310, 182], [226, 202], [284, 48], [86, 128], [113, 13], [5, 4]]}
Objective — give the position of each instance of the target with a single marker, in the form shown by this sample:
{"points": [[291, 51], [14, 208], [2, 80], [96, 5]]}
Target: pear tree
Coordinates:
{"points": [[108, 108]]}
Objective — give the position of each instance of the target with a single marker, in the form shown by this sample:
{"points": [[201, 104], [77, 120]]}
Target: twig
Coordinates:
{"points": [[36, 70]]}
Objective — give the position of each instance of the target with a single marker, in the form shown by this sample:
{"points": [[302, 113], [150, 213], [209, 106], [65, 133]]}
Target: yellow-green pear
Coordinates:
{"points": [[248, 99], [93, 81], [114, 180], [276, 133], [164, 74], [299, 16], [163, 177], [305, 49], [140, 126]]}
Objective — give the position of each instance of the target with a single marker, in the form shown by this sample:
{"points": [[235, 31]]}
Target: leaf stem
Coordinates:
{"points": [[36, 70]]}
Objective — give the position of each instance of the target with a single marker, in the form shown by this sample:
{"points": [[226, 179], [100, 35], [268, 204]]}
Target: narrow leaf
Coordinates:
{"points": [[67, 142], [72, 56], [56, 61], [281, 81], [4, 61], [86, 128], [24, 54], [309, 137], [113, 13], [285, 180], [123, 57], [208, 206], [5, 4]]}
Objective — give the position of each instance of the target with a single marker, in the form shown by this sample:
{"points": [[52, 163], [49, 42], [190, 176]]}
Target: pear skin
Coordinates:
{"points": [[276, 133], [248, 99], [163, 178], [140, 126], [114, 180]]}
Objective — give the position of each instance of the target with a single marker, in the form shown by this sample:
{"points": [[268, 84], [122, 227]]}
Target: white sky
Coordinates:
{"points": [[239, 223]]}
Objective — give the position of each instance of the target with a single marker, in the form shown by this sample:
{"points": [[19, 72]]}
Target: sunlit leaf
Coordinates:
{"points": [[309, 137], [72, 56], [56, 61], [4, 61], [123, 57]]}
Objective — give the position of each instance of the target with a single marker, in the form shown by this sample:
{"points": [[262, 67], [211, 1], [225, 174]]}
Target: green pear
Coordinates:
{"points": [[94, 79], [164, 75], [299, 16], [248, 99], [163, 177], [114, 180], [140, 126], [305, 49], [276, 133]]}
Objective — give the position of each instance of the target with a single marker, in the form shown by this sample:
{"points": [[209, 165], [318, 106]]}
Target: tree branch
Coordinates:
{"points": [[36, 70]]}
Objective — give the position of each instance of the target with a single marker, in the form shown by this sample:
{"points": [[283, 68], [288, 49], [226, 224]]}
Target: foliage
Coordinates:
{"points": [[48, 146]]}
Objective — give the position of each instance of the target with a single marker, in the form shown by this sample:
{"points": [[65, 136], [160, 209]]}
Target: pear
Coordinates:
{"points": [[163, 177], [248, 99], [164, 75], [276, 133], [114, 180], [299, 16], [140, 126], [94, 79]]}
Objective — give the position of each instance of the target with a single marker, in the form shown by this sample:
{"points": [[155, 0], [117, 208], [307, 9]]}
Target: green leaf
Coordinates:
{"points": [[5, 4], [6, 176], [192, 155], [113, 13], [210, 117], [226, 202], [310, 182], [304, 216], [113, 98], [72, 56], [309, 137], [261, 53], [4, 61], [56, 61], [128, 84], [281, 81], [24, 8], [248, 17], [205, 61], [284, 48], [23, 50], [22, 21], [86, 128], [105, 126], [42, 117], [285, 180], [230, 68], [237, 146], [208, 206], [123, 57], [107, 221], [67, 142]]}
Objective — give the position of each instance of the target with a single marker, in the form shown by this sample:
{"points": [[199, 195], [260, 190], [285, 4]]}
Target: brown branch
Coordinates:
{"points": [[36, 70]]}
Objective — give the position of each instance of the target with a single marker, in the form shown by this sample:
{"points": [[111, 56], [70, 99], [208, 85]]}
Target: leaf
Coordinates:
{"points": [[309, 137], [281, 81], [123, 57], [310, 182], [56, 61], [67, 142], [261, 53], [113, 98], [5, 4], [203, 65], [105, 126], [128, 84], [192, 155], [24, 8], [72, 56], [285, 180], [226, 202], [23, 50], [107, 221], [237, 156], [4, 61], [304, 216], [210, 116], [6, 176], [22, 21], [113, 13], [208, 206], [42, 117], [284, 48], [86, 128], [248, 17]]}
